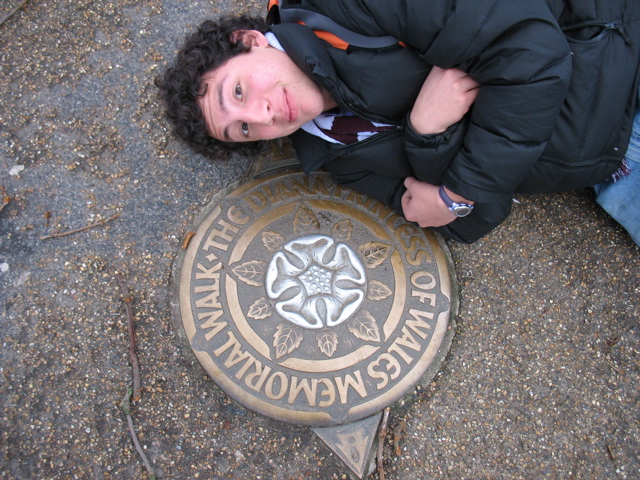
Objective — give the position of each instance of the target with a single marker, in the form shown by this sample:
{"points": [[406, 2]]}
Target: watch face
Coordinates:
{"points": [[462, 210]]}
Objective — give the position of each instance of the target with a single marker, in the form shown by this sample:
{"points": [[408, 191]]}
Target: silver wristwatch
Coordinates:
{"points": [[458, 209]]}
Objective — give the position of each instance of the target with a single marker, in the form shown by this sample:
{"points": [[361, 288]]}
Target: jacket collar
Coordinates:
{"points": [[310, 54]]}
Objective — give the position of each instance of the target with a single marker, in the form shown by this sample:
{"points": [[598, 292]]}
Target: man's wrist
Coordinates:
{"points": [[459, 208], [421, 125]]}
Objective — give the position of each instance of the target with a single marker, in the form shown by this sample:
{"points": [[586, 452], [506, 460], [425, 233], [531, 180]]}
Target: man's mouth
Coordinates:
{"points": [[292, 111]]}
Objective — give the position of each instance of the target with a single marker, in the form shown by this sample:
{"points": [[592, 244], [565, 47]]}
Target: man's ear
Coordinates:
{"points": [[249, 38]]}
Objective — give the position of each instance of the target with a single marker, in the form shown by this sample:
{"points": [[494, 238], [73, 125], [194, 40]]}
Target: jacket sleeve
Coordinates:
{"points": [[379, 168], [387, 190], [430, 156], [513, 48]]}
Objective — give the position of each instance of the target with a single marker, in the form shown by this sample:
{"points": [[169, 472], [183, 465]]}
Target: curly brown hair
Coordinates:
{"points": [[206, 49]]}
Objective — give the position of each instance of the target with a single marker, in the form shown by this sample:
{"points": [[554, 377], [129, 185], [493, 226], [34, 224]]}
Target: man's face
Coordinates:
{"points": [[259, 95]]}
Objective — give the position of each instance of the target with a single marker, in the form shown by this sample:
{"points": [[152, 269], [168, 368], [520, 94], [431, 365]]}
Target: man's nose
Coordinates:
{"points": [[261, 113]]}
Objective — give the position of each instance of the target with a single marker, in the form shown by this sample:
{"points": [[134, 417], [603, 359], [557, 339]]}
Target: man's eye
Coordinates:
{"points": [[245, 129], [238, 92]]}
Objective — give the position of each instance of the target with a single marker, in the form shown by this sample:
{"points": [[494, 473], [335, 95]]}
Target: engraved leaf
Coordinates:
{"points": [[327, 343], [286, 339], [365, 328], [272, 240], [342, 229], [378, 290], [374, 253], [305, 221], [251, 273], [260, 309]]}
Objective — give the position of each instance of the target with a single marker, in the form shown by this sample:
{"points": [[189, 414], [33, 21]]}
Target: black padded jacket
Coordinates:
{"points": [[554, 112]]}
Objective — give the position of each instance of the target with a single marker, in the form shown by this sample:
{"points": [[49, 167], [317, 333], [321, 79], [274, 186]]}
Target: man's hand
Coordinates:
{"points": [[445, 97], [421, 203]]}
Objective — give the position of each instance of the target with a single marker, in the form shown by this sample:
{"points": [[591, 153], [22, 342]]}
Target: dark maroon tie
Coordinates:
{"points": [[346, 128]]}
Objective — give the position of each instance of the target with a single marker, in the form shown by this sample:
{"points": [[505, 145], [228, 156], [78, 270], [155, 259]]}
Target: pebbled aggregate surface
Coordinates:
{"points": [[542, 380]]}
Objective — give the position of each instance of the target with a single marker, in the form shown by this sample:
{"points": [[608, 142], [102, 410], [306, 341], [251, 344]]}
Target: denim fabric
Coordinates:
{"points": [[621, 198]]}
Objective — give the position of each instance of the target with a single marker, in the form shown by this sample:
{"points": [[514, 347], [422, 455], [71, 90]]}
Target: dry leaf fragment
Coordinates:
{"points": [[398, 434], [5, 198], [187, 240]]}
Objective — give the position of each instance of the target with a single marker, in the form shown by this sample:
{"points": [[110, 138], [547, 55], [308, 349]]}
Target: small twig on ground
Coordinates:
{"points": [[125, 406], [612, 454], [381, 436], [13, 12], [5, 198], [132, 339], [82, 229]]}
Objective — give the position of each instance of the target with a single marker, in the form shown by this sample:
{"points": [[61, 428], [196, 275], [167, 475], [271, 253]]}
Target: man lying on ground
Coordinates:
{"points": [[470, 102]]}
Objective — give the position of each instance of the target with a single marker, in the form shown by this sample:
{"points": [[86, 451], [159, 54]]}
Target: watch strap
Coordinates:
{"points": [[458, 209]]}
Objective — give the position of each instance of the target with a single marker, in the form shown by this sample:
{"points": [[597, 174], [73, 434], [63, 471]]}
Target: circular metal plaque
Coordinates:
{"points": [[310, 303]]}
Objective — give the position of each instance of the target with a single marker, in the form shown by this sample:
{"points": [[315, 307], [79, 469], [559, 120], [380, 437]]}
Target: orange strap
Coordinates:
{"points": [[333, 40], [329, 37]]}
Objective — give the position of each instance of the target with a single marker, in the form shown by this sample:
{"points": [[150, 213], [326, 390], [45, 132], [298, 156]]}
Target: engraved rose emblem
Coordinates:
{"points": [[316, 282]]}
